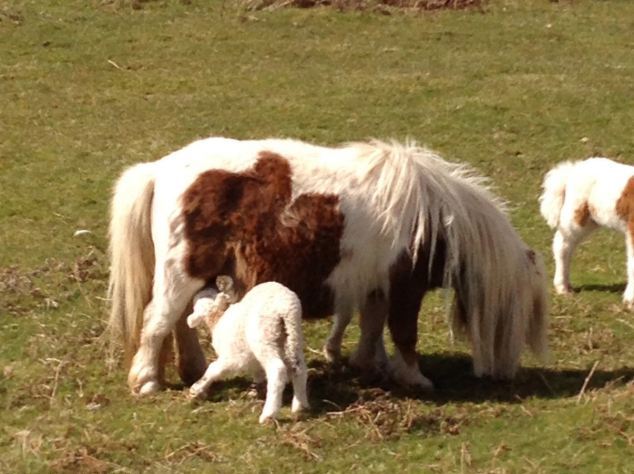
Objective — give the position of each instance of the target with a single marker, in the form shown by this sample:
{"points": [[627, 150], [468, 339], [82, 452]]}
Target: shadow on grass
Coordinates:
{"points": [[612, 288], [335, 388]]}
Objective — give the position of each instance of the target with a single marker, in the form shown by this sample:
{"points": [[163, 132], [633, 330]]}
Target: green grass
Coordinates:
{"points": [[90, 87]]}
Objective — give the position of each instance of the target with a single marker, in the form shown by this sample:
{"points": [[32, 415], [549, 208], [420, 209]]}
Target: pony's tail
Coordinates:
{"points": [[536, 332], [552, 198], [131, 256]]}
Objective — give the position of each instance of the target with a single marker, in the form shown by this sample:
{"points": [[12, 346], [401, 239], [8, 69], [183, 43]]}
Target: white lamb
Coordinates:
{"points": [[582, 196], [261, 335]]}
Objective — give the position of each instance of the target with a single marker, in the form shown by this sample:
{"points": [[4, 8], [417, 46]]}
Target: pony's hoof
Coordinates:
{"points": [[332, 355], [409, 376], [563, 290], [148, 388], [266, 418], [196, 392], [298, 407]]}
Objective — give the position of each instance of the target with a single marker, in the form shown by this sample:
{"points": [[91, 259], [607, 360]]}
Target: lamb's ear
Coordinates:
{"points": [[224, 283]]}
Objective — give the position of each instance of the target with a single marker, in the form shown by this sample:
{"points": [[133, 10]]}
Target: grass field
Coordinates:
{"points": [[90, 87]]}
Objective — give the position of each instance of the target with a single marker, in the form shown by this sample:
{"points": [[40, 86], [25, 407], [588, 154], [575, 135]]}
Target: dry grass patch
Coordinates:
{"points": [[384, 6], [387, 418]]}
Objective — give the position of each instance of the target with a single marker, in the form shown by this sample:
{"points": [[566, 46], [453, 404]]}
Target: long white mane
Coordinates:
{"points": [[420, 196]]}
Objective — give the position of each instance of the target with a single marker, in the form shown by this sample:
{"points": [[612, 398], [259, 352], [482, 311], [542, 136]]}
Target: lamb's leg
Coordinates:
{"points": [[276, 376], [299, 377], [217, 370]]}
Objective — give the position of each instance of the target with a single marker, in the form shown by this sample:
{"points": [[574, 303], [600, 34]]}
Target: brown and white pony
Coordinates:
{"points": [[370, 226]]}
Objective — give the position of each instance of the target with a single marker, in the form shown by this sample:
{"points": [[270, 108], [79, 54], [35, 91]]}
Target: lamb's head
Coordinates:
{"points": [[208, 307], [211, 303]]}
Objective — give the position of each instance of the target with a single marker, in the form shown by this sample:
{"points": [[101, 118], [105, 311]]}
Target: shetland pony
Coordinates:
{"points": [[578, 198], [370, 226]]}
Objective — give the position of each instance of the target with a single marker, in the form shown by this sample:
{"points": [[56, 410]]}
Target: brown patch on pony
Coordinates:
{"points": [[245, 225], [625, 205], [582, 215]]}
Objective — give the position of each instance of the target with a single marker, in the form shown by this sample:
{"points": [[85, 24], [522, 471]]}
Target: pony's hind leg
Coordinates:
{"points": [[370, 353], [169, 301], [332, 348], [565, 242]]}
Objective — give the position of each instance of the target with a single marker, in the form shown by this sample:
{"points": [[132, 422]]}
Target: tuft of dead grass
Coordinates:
{"points": [[297, 437], [384, 6], [196, 449], [385, 417], [81, 459]]}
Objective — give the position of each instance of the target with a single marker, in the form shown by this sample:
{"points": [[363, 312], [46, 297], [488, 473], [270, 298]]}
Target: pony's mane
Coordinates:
{"points": [[423, 196], [419, 196]]}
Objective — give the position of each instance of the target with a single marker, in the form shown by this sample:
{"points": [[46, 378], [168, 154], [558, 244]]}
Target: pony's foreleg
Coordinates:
{"points": [[169, 302], [332, 348], [405, 301], [370, 353], [191, 360], [628, 296]]}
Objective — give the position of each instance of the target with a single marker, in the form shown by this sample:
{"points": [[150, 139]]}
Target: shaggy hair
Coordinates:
{"points": [[384, 201]]}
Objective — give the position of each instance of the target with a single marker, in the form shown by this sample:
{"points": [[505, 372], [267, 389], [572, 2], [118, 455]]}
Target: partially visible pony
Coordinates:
{"points": [[578, 198], [369, 226]]}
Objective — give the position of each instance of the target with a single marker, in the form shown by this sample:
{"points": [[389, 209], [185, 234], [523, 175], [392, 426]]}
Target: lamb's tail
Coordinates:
{"points": [[552, 198], [131, 255], [294, 345]]}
